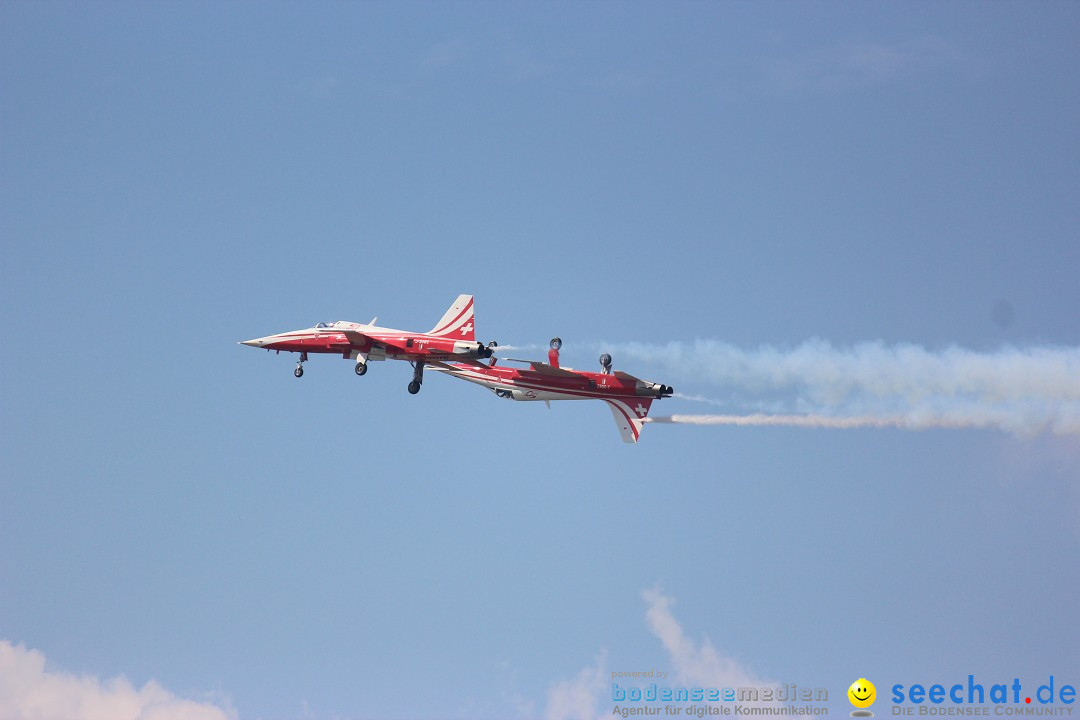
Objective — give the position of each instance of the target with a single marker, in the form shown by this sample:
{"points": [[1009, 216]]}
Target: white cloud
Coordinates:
{"points": [[579, 699], [693, 663], [444, 54], [587, 695], [856, 64], [31, 691]]}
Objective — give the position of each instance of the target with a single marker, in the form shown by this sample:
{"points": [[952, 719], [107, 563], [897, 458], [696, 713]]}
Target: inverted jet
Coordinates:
{"points": [[629, 398]]}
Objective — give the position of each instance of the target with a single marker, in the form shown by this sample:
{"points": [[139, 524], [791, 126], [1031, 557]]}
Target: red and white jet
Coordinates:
{"points": [[628, 397], [452, 338]]}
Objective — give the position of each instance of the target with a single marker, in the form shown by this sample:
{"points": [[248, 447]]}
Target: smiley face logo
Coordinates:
{"points": [[862, 693]]}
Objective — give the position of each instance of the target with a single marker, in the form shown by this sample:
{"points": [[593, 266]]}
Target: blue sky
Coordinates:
{"points": [[175, 507]]}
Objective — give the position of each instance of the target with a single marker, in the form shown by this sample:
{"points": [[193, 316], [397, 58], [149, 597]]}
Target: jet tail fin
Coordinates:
{"points": [[630, 416], [457, 322]]}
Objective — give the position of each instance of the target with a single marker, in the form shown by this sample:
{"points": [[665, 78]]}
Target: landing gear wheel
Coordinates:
{"points": [[299, 371], [361, 368], [417, 377], [555, 344]]}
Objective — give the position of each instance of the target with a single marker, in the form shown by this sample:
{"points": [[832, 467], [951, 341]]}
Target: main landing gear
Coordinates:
{"points": [[299, 371], [417, 377], [361, 368]]}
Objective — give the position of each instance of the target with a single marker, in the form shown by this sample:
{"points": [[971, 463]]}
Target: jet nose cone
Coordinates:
{"points": [[257, 342]]}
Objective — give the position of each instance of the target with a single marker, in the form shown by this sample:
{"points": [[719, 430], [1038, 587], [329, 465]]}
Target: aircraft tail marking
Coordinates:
{"points": [[457, 322], [630, 416]]}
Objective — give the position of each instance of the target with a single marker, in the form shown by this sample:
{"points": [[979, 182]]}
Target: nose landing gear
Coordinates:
{"points": [[299, 371]]}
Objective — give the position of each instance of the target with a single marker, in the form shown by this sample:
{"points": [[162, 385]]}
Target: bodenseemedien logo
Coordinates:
{"points": [[862, 694]]}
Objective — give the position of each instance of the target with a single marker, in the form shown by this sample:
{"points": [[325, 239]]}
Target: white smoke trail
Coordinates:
{"points": [[806, 421], [698, 398], [1020, 390], [518, 348]]}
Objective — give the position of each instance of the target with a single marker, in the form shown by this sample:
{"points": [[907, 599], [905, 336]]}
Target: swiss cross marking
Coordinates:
{"points": [[640, 410], [465, 329]]}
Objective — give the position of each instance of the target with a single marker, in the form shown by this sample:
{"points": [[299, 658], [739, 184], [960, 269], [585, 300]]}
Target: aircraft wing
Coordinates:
{"points": [[356, 337], [545, 369], [466, 362]]}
